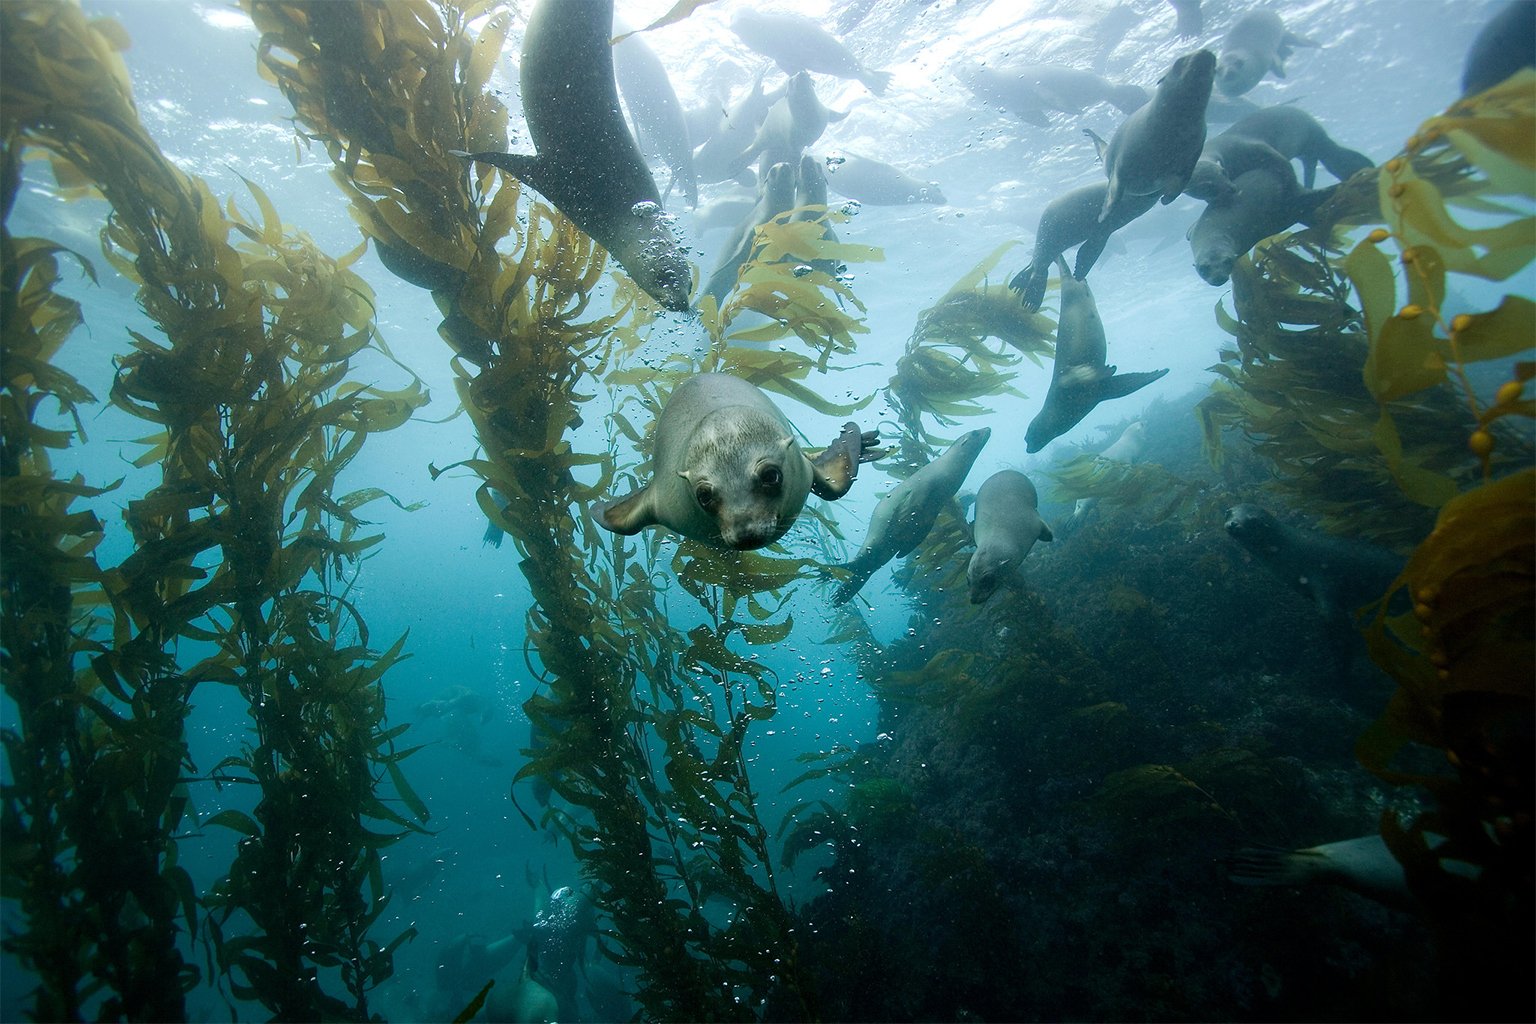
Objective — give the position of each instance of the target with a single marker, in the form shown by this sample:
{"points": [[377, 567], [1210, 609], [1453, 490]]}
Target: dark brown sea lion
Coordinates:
{"points": [[587, 162]]}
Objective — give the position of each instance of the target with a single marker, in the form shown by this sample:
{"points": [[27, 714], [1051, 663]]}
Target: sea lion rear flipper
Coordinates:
{"points": [[1121, 384], [628, 515], [834, 470]]}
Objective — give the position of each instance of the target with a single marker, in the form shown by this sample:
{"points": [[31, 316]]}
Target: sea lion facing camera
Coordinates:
{"points": [[1007, 525], [1256, 44], [587, 163], [727, 470]]}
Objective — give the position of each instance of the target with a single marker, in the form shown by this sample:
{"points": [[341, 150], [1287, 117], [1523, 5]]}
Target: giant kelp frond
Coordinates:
{"points": [[1162, 494], [949, 366], [242, 546], [1369, 416]]}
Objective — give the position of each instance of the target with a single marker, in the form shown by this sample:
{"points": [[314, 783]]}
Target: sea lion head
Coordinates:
{"points": [[1249, 524], [1215, 256], [1238, 71], [1192, 74], [747, 477], [646, 249], [985, 574]]}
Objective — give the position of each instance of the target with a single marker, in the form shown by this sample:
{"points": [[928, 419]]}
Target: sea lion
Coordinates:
{"points": [[1007, 525], [1256, 44], [877, 184], [1125, 448], [1154, 150], [1337, 575], [587, 163], [1073, 219], [1080, 378], [720, 156], [811, 204], [727, 470], [1364, 865], [778, 196], [796, 43], [1225, 158], [1295, 135], [796, 120], [660, 122], [1505, 45], [1190, 19], [1264, 202], [1031, 91], [722, 212], [903, 517]]}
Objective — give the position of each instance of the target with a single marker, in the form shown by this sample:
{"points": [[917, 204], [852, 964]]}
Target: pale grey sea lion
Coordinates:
{"points": [[876, 183], [1031, 92], [796, 43], [719, 157], [1264, 203], [1364, 865], [660, 122], [725, 211], [587, 163], [1080, 377], [1295, 135], [1007, 525], [1505, 45], [1125, 448], [1224, 159], [1068, 220], [796, 120], [778, 196], [1155, 149], [726, 468], [903, 517], [1255, 45]]}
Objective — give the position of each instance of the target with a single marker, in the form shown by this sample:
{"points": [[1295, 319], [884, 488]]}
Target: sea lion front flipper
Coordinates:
{"points": [[1099, 145], [834, 470], [628, 515], [530, 170], [1045, 532]]}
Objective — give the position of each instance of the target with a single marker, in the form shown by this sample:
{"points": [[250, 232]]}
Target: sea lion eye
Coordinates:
{"points": [[704, 494], [770, 476]]}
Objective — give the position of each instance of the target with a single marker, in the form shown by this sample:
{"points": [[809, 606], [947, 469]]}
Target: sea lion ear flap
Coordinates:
{"points": [[628, 515], [834, 470]]}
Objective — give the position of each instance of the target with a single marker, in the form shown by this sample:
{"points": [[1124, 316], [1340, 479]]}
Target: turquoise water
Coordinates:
{"points": [[1382, 69]]}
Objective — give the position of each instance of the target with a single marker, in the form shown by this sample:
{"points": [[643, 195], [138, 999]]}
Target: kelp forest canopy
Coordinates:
{"points": [[1349, 376]]}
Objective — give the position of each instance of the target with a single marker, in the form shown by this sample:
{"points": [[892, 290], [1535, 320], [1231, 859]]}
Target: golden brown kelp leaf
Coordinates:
{"points": [[1471, 582]]}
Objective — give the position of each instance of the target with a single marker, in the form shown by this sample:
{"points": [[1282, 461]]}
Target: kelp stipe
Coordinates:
{"points": [[657, 839], [237, 547]]}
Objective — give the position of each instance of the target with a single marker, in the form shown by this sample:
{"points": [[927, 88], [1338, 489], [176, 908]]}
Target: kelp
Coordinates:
{"points": [[1159, 494], [645, 725], [948, 365], [1368, 415], [1372, 419], [244, 546]]}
